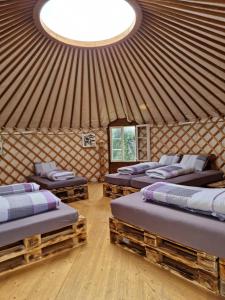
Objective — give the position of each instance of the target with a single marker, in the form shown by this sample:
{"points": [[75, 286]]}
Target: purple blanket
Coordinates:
{"points": [[27, 204], [196, 199], [139, 168], [18, 188], [169, 171]]}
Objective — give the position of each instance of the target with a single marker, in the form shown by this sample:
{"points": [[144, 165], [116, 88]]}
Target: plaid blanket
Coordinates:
{"points": [[18, 188], [195, 199], [59, 175], [27, 204], [169, 171], [138, 168]]}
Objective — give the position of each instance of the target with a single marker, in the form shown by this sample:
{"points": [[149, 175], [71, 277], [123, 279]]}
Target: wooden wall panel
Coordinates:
{"points": [[22, 148]]}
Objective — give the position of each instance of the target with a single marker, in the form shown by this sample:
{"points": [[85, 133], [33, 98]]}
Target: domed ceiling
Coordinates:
{"points": [[171, 68]]}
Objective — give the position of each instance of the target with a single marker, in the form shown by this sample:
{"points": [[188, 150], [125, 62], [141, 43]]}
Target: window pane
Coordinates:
{"points": [[129, 143], [117, 155], [116, 132], [116, 144]]}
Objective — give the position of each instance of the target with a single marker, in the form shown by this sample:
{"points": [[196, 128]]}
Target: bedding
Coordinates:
{"points": [[18, 188], [27, 204], [194, 230], [45, 183], [59, 175], [199, 200], [194, 179], [13, 231], [197, 162], [169, 171], [138, 168]]}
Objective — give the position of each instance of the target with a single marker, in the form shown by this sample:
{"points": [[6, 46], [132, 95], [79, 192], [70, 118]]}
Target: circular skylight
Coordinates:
{"points": [[88, 22]]}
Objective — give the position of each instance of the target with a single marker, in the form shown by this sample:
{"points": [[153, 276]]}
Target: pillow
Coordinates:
{"points": [[42, 168], [169, 159], [18, 188], [197, 162]]}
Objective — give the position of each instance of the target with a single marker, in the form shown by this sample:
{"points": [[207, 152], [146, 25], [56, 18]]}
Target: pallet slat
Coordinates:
{"points": [[198, 267], [115, 191], [72, 193]]}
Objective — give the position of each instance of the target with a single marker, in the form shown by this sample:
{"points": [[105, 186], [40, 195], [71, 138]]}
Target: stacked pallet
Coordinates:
{"points": [[198, 267], [72, 193], [115, 191], [41, 246]]}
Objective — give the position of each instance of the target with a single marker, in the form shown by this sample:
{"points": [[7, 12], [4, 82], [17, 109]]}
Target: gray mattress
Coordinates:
{"points": [[11, 232], [193, 230], [120, 179], [49, 184], [194, 179]]}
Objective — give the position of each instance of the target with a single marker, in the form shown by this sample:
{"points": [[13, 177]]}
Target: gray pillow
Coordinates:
{"points": [[169, 159], [197, 162]]}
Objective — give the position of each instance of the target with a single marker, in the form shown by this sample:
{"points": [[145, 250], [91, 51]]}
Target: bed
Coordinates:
{"points": [[67, 190], [186, 244], [32, 239], [195, 170]]}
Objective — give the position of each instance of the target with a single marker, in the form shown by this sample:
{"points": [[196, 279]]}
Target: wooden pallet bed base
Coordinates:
{"points": [[115, 191], [198, 267], [71, 193], [39, 247]]}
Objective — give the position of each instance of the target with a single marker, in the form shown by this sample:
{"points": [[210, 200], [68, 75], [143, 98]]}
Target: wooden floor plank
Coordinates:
{"points": [[98, 271]]}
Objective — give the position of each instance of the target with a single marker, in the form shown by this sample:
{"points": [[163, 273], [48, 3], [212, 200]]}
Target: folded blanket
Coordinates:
{"points": [[169, 171], [139, 168], [18, 188], [195, 199], [59, 175], [27, 204]]}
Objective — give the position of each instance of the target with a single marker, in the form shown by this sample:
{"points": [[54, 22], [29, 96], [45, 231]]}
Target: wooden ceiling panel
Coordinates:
{"points": [[171, 69]]}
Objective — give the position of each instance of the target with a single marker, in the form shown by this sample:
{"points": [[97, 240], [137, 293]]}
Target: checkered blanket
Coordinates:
{"points": [[57, 175], [27, 204], [195, 199], [169, 171], [139, 168], [18, 188]]}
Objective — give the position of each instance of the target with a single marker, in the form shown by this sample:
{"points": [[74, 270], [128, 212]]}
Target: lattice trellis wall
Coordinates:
{"points": [[22, 148], [199, 137]]}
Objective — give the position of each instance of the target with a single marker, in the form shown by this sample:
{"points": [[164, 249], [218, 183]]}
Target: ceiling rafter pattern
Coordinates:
{"points": [[172, 69]]}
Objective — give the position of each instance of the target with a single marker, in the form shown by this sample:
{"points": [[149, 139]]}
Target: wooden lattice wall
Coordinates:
{"points": [[199, 137], [22, 148]]}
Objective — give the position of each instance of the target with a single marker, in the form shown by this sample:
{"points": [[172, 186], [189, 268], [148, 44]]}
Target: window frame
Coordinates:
{"points": [[122, 148]]}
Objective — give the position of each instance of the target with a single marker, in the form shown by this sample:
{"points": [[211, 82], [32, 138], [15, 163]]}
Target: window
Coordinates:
{"points": [[130, 143], [123, 143]]}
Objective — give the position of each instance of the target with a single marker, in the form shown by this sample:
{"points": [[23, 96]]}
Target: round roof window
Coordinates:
{"points": [[88, 23]]}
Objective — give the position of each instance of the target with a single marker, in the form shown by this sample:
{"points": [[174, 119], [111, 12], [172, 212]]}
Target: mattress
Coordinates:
{"points": [[49, 184], [193, 230], [13, 231], [120, 179], [193, 179]]}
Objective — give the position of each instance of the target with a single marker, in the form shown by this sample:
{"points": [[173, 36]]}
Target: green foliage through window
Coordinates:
{"points": [[123, 143]]}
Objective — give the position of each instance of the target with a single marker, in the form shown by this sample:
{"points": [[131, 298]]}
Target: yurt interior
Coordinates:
{"points": [[112, 149]]}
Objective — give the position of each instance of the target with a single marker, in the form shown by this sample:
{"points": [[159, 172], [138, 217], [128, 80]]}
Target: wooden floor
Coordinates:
{"points": [[97, 271]]}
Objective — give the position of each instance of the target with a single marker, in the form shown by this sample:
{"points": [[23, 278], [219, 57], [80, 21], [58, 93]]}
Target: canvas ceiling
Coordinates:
{"points": [[171, 69]]}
